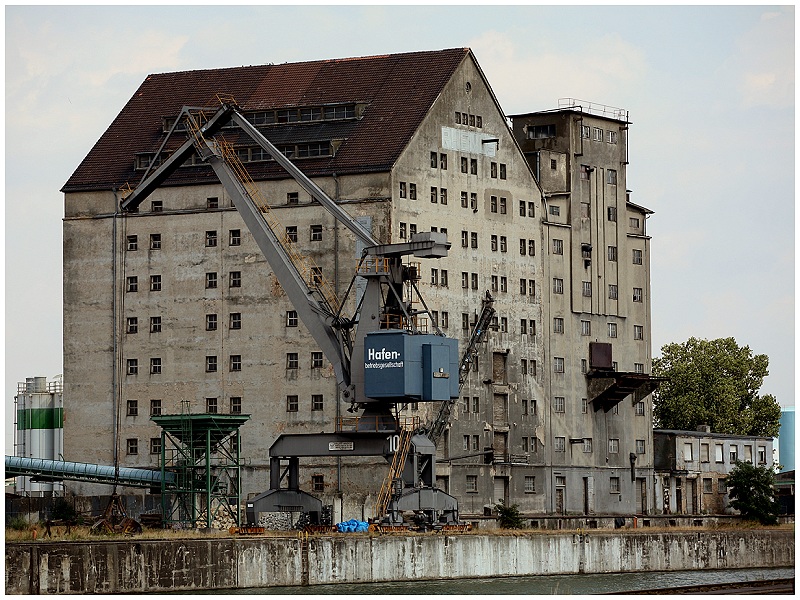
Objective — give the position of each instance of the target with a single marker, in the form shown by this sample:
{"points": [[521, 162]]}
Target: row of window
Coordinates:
{"points": [[596, 134], [156, 364], [496, 170], [468, 119], [132, 323], [211, 281], [212, 406], [497, 204], [719, 453], [293, 403], [235, 363], [557, 247], [586, 289], [530, 484], [529, 407], [586, 328]]}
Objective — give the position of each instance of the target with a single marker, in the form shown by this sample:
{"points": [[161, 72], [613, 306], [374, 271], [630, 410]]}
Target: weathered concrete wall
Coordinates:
{"points": [[168, 565]]}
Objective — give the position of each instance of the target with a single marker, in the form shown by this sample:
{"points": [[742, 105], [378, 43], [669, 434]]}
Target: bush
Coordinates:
{"points": [[509, 517], [17, 524], [752, 493]]}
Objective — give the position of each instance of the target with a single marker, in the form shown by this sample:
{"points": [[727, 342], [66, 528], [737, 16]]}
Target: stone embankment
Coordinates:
{"points": [[131, 566]]}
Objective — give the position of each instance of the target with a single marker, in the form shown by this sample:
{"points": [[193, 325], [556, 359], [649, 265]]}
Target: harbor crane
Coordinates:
{"points": [[382, 356]]}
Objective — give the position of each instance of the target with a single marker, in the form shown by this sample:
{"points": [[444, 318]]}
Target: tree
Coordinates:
{"points": [[715, 383], [751, 492], [509, 517]]}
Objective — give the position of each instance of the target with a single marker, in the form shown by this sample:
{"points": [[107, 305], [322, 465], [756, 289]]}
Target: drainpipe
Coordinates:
{"points": [[115, 349]]}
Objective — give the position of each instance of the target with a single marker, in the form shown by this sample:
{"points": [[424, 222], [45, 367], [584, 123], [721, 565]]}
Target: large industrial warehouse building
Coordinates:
{"points": [[173, 308]]}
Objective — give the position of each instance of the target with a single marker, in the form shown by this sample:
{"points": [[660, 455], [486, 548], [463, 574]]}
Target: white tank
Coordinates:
{"points": [[39, 429]]}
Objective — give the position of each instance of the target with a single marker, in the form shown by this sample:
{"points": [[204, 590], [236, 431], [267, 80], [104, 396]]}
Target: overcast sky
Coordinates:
{"points": [[710, 92]]}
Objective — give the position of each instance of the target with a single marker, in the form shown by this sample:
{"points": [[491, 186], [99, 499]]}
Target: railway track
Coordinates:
{"points": [[774, 586]]}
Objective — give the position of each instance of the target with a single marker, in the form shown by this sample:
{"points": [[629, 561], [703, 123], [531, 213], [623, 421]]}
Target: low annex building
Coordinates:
{"points": [[174, 308], [691, 468]]}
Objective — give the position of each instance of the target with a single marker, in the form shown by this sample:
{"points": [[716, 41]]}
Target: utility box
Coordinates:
{"points": [[400, 366]]}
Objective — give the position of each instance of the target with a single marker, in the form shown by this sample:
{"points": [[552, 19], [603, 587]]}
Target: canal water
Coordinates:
{"points": [[536, 585]]}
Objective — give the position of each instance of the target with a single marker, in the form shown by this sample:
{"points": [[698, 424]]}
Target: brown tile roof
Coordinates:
{"points": [[399, 89]]}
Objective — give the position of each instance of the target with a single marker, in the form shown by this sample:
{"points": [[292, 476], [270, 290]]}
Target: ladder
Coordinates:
{"points": [[395, 472]]}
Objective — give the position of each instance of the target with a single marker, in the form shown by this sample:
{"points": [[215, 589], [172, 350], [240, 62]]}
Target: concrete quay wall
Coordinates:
{"points": [[131, 566]]}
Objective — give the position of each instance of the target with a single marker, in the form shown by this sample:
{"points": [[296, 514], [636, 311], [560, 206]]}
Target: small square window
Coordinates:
{"points": [[236, 321], [292, 361], [132, 408], [236, 362], [560, 444], [292, 403], [211, 281], [317, 360], [133, 243], [318, 483], [292, 198], [132, 366], [291, 234], [155, 241], [157, 206], [132, 284], [211, 239], [212, 406], [640, 448], [637, 257], [132, 446], [155, 283], [613, 446], [235, 237], [530, 484], [155, 407], [211, 322], [317, 402], [613, 485], [132, 325], [472, 484], [155, 445], [236, 405], [155, 366], [316, 233], [235, 278], [212, 202], [155, 324], [211, 364]]}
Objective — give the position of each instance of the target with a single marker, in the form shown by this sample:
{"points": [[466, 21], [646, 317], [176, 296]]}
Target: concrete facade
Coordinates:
{"points": [[463, 171], [691, 467], [184, 565]]}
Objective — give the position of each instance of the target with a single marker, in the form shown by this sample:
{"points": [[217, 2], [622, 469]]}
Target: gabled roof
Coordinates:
{"points": [[398, 91]]}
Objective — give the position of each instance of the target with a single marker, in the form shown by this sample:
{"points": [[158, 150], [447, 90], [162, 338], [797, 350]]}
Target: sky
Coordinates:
{"points": [[709, 90]]}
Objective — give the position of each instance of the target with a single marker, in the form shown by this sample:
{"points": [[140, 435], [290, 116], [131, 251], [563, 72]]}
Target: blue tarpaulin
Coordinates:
{"points": [[352, 525]]}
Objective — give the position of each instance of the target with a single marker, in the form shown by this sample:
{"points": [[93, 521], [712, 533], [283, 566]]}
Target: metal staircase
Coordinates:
{"points": [[395, 472]]}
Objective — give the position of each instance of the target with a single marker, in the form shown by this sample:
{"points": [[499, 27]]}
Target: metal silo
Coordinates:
{"points": [[39, 432]]}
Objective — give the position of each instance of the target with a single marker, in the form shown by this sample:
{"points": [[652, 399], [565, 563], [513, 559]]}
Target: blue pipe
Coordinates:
{"points": [[17, 465]]}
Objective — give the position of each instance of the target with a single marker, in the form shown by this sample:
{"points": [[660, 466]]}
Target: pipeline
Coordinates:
{"points": [[59, 469]]}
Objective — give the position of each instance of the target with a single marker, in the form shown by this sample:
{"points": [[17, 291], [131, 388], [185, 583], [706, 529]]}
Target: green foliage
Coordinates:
{"points": [[751, 492], [715, 383], [18, 524], [509, 517]]}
